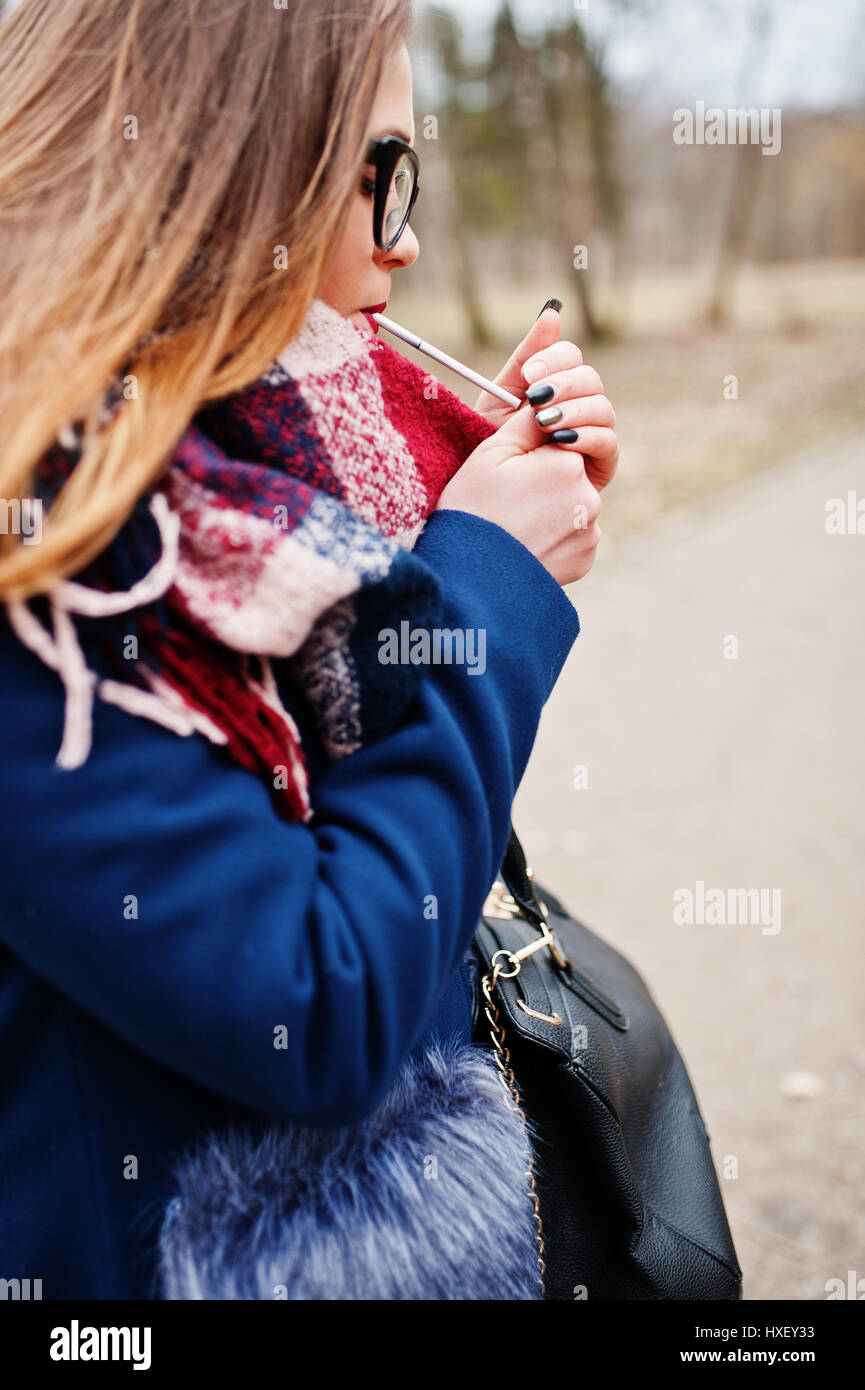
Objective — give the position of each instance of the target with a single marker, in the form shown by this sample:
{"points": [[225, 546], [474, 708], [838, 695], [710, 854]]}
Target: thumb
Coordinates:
{"points": [[546, 329], [519, 433]]}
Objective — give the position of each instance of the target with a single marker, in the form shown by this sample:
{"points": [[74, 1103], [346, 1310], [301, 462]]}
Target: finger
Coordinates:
{"points": [[599, 448], [519, 433], [575, 411], [544, 332], [557, 357], [557, 387]]}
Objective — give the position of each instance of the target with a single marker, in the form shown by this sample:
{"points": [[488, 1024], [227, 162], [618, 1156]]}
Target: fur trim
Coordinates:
{"points": [[428, 1198]]}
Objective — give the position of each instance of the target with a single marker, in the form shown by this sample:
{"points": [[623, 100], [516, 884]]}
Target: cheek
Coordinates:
{"points": [[356, 246]]}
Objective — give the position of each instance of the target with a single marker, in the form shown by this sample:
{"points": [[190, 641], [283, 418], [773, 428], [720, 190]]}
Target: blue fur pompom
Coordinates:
{"points": [[429, 1198]]}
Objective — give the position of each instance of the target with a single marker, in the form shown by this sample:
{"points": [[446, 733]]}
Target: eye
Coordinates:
{"points": [[367, 187]]}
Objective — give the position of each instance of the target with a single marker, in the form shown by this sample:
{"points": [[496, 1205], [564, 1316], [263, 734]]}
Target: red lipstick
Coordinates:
{"points": [[373, 309]]}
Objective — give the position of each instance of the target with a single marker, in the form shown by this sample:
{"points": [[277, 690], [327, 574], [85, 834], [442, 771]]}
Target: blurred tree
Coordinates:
{"points": [[530, 152], [450, 169], [586, 205], [747, 174]]}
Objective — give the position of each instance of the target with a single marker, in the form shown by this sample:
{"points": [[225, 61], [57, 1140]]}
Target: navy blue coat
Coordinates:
{"points": [[125, 1038]]}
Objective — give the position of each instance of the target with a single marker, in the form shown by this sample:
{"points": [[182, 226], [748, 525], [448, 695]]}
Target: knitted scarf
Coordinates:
{"points": [[281, 529]]}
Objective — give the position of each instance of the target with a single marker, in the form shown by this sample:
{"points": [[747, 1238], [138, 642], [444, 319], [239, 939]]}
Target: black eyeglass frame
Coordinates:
{"points": [[385, 155]]}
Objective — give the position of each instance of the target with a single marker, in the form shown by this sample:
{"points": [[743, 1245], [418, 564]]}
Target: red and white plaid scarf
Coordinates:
{"points": [[286, 519]]}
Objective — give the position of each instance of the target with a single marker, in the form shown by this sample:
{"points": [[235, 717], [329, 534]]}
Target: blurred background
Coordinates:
{"points": [[545, 130], [707, 727]]}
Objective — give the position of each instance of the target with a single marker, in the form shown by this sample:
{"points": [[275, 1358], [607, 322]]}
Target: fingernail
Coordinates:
{"points": [[565, 436], [534, 371], [549, 416], [552, 304], [537, 395]]}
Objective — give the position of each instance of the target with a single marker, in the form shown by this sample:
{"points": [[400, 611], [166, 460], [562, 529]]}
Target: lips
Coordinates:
{"points": [[373, 309]]}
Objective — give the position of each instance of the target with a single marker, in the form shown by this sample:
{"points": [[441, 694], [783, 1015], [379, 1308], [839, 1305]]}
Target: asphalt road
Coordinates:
{"points": [[739, 772]]}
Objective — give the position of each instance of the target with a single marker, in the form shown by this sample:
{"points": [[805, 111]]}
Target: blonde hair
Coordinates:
{"points": [[173, 179]]}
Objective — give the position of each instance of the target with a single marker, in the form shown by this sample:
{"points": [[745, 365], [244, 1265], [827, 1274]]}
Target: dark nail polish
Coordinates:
{"points": [[552, 304], [539, 393], [565, 436]]}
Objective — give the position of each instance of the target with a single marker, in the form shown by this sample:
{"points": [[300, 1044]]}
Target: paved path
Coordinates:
{"points": [[745, 773]]}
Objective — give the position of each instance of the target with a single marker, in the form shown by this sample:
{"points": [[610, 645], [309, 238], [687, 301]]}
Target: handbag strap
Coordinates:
{"points": [[516, 879]]}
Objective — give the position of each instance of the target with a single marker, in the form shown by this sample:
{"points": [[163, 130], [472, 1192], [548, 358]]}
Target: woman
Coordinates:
{"points": [[185, 946]]}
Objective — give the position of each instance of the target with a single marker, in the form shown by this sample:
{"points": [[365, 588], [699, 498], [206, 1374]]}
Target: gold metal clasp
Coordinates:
{"points": [[516, 958], [546, 938], [502, 905], [533, 1013], [499, 903]]}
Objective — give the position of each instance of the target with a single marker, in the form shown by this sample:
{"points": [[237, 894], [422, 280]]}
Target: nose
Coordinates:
{"points": [[405, 252]]}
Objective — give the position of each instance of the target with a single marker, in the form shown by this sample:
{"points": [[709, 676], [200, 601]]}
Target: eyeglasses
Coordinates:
{"points": [[397, 171]]}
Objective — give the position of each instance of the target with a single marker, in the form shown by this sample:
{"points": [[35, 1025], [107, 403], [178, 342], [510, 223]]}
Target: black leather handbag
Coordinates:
{"points": [[627, 1200]]}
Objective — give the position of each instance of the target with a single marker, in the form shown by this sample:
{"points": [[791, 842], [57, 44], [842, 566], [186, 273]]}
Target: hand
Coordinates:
{"points": [[578, 393], [535, 490]]}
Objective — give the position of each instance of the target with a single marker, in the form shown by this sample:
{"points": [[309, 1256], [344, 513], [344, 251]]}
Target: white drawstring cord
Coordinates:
{"points": [[165, 705], [95, 603], [63, 652]]}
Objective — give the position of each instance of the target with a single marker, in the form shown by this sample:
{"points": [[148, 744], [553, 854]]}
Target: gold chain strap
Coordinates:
{"points": [[509, 1081]]}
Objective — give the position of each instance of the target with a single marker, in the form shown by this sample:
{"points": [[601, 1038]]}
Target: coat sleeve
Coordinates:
{"points": [[288, 967]]}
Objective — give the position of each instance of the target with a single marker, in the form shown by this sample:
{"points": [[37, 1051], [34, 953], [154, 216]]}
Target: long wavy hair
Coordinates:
{"points": [[173, 181]]}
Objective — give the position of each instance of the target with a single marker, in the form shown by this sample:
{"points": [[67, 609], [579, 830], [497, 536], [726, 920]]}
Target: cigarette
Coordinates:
{"points": [[447, 361]]}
